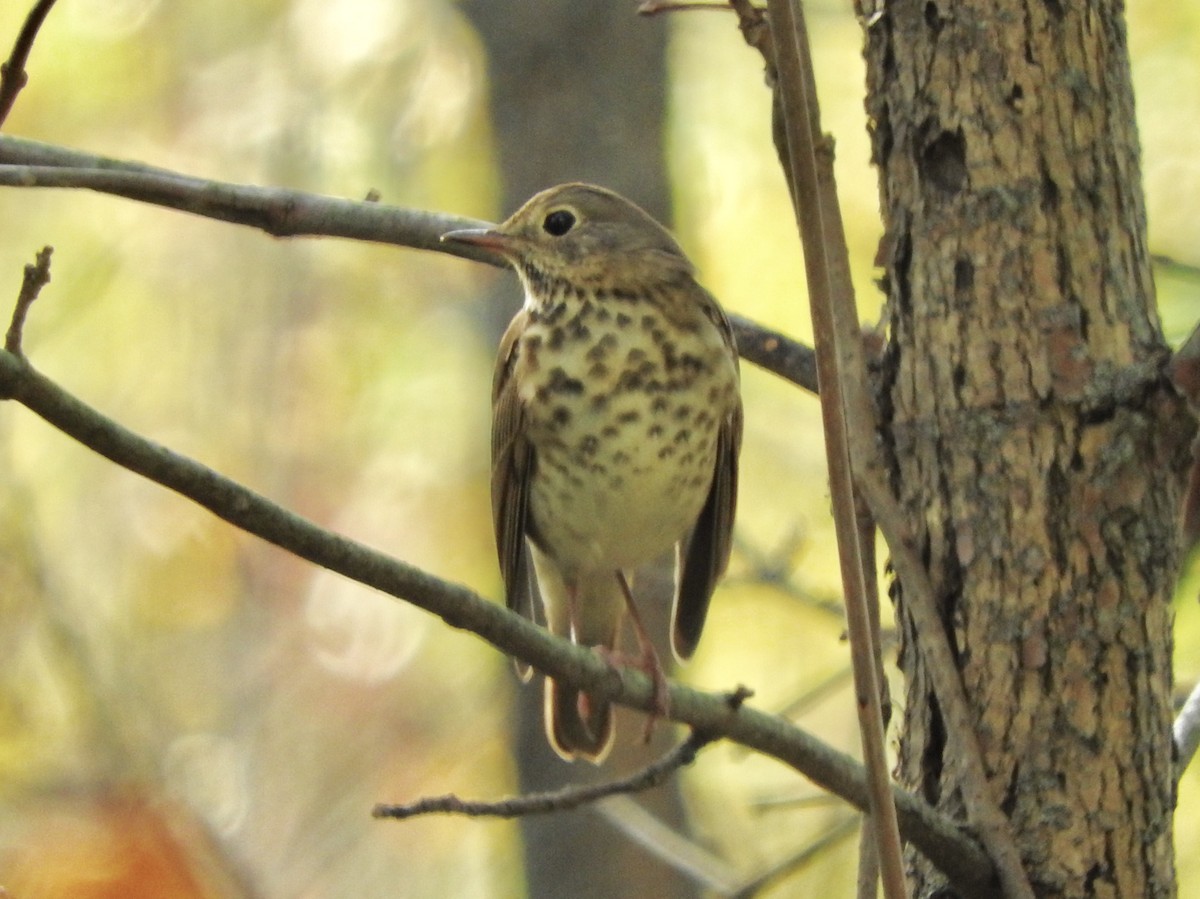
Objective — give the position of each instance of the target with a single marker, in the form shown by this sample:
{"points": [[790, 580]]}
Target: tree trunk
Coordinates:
{"points": [[1034, 443]]}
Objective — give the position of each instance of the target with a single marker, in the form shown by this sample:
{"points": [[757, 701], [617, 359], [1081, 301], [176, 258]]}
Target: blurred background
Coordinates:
{"points": [[188, 712]]}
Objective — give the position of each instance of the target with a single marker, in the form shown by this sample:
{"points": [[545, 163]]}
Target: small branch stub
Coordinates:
{"points": [[37, 276], [653, 775]]}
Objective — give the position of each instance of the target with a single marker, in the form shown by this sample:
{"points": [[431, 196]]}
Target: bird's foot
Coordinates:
{"points": [[648, 662]]}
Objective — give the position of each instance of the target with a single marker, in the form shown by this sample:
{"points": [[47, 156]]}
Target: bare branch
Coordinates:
{"points": [[1184, 369], [771, 350], [653, 775], [683, 854], [1184, 372], [277, 211], [989, 821], [289, 213], [1176, 267], [12, 72], [834, 835]]}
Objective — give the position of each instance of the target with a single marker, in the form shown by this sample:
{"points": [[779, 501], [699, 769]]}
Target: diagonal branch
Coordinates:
{"points": [[939, 838]]}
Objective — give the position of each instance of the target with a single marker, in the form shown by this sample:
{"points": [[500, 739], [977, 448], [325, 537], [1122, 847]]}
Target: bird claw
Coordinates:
{"points": [[649, 664]]}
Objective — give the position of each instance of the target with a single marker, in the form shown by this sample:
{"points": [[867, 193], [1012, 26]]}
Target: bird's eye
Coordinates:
{"points": [[558, 222]]}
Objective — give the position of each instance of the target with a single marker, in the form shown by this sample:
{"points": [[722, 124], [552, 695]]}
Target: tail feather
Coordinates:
{"points": [[578, 725], [587, 610]]}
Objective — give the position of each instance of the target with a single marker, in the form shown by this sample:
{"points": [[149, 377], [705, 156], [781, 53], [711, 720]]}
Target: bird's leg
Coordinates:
{"points": [[583, 702], [648, 661]]}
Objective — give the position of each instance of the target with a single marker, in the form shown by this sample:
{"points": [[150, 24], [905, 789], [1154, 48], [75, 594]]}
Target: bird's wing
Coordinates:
{"points": [[703, 556], [512, 470]]}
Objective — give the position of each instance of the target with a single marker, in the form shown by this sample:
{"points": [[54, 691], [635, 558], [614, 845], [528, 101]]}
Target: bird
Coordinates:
{"points": [[616, 430]]}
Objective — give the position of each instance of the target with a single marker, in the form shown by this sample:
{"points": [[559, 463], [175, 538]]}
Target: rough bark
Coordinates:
{"points": [[1033, 440]]}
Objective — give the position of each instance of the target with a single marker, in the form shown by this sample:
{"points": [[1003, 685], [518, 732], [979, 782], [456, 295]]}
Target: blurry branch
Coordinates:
{"points": [[1174, 267], [775, 567], [1187, 731], [702, 866], [291, 213], [774, 801], [938, 837], [653, 775], [12, 71], [840, 831], [650, 8], [820, 690]]}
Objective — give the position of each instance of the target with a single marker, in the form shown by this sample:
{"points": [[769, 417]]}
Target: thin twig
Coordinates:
{"points": [[277, 211], [1184, 369], [777, 568], [775, 801], [653, 775], [867, 876], [1175, 267], [834, 835], [798, 96], [12, 72], [775, 352], [570, 797], [699, 864], [37, 276]]}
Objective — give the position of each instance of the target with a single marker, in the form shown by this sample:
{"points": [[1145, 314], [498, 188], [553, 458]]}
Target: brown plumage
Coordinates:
{"points": [[615, 433]]}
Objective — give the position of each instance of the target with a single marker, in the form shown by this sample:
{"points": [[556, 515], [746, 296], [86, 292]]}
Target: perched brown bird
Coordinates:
{"points": [[615, 433]]}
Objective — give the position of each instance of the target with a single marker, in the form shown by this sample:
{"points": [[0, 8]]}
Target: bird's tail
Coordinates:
{"points": [[578, 724]]}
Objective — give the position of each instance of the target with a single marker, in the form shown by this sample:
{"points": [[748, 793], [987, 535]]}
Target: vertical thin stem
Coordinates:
{"points": [[800, 121]]}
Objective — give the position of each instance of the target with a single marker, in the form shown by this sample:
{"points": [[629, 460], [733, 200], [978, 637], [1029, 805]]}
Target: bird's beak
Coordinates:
{"points": [[485, 238]]}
